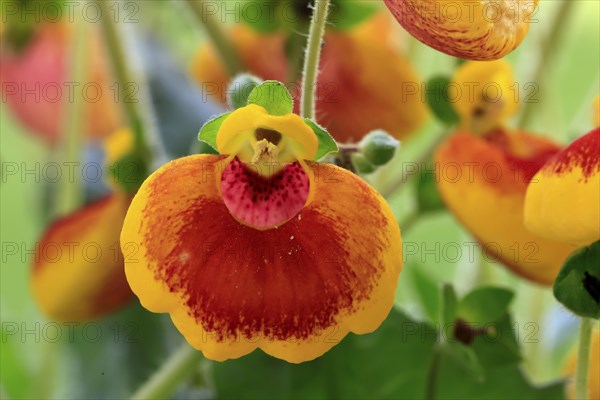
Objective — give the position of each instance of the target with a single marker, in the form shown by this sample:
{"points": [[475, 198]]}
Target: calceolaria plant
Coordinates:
{"points": [[262, 246]]}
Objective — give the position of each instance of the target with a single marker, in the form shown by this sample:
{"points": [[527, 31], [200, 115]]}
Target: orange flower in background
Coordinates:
{"points": [[473, 30], [563, 200], [485, 95], [36, 85], [483, 181], [365, 84], [593, 374], [261, 247], [78, 271]]}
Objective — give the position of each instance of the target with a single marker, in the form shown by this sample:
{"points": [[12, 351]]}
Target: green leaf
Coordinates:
{"points": [[274, 97], [449, 305], [391, 363], [577, 285], [264, 16], [379, 147], [240, 88], [465, 358], [326, 143], [439, 101], [209, 131], [428, 196], [345, 15], [484, 305], [427, 291]]}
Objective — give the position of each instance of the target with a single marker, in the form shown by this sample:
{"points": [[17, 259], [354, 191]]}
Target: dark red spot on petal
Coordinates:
{"points": [[583, 153]]}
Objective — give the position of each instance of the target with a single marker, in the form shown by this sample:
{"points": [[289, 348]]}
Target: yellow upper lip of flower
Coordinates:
{"points": [[238, 136]]}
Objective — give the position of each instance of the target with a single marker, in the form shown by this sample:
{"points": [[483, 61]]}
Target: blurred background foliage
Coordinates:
{"points": [[112, 357]]}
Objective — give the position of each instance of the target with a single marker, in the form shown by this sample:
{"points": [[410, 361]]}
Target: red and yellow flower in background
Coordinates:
{"points": [[35, 84], [78, 271], [261, 247], [593, 374], [563, 199], [473, 30], [483, 181], [365, 83], [485, 169]]}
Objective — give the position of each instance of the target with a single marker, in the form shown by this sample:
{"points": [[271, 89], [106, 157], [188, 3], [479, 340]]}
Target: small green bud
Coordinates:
{"points": [[378, 147], [361, 164], [240, 88], [577, 285]]}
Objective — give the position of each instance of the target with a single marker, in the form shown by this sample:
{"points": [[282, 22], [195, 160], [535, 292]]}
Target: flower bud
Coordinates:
{"points": [[378, 147]]}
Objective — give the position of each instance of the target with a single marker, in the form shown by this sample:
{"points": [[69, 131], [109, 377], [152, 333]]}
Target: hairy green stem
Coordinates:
{"points": [[218, 37], [312, 57], [182, 364], [583, 359]]}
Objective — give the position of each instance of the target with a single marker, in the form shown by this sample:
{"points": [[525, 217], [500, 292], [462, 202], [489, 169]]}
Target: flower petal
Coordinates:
{"points": [[78, 269], [294, 291], [483, 181], [473, 30], [562, 201]]}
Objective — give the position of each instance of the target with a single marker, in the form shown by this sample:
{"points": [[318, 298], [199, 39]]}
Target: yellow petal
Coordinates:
{"points": [[294, 291], [563, 199]]}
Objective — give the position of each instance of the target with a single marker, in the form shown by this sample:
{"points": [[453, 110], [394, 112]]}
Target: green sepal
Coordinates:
{"points": [[129, 172], [345, 15], [361, 164], [208, 132], [326, 143], [577, 285], [379, 147], [274, 97], [439, 101], [485, 305], [465, 357], [449, 304], [240, 88]]}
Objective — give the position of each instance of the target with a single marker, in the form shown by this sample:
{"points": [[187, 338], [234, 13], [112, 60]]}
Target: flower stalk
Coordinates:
{"points": [[583, 358], [312, 57]]}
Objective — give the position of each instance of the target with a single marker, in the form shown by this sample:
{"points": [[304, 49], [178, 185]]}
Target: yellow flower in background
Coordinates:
{"points": [[474, 30], [483, 180], [563, 199], [486, 95], [593, 374], [261, 247], [78, 271], [365, 83]]}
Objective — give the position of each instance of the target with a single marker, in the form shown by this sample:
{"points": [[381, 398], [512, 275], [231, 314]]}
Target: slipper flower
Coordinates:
{"points": [[483, 180], [473, 30], [78, 269], [365, 83], [593, 374], [562, 201], [35, 84], [260, 247], [485, 95]]}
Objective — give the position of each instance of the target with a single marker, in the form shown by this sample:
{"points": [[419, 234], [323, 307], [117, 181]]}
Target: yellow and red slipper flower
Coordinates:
{"points": [[78, 267], [563, 200], [474, 30], [357, 66], [483, 181], [593, 374], [261, 247], [486, 96], [36, 87]]}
